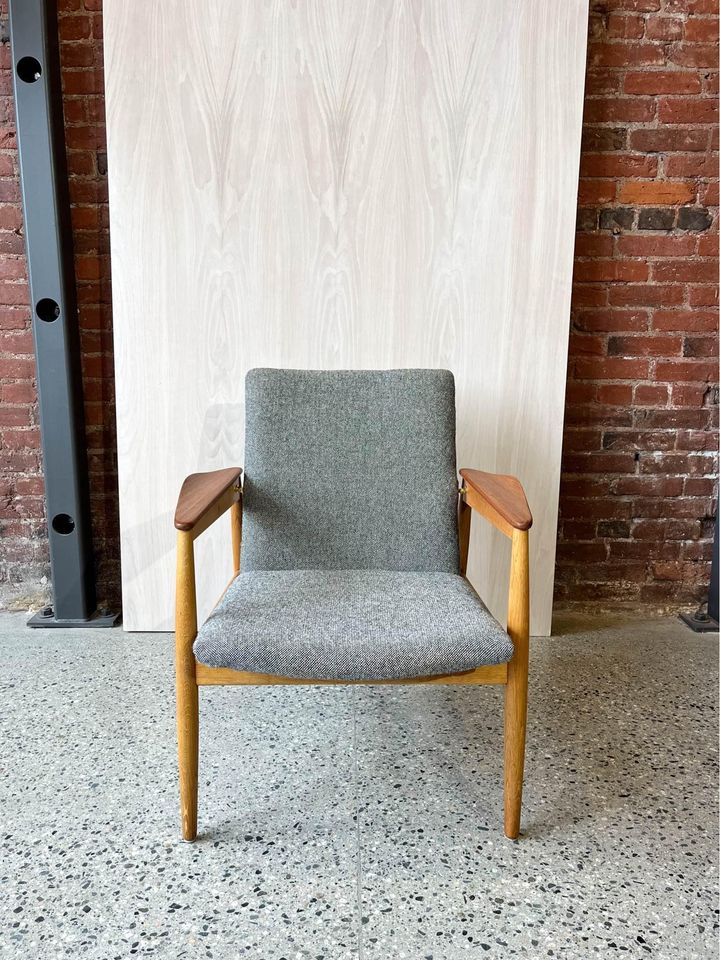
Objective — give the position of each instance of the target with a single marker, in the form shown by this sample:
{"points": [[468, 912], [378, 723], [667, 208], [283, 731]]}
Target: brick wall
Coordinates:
{"points": [[639, 457], [638, 465]]}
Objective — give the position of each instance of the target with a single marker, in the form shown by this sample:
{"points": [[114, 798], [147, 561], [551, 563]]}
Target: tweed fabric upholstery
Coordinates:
{"points": [[350, 469], [351, 625]]}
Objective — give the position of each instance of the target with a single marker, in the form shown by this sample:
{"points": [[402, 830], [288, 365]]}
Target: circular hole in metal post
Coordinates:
{"points": [[29, 69], [47, 309], [63, 523]]}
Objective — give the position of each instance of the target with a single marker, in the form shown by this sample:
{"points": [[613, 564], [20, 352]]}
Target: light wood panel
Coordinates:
{"points": [[338, 184]]}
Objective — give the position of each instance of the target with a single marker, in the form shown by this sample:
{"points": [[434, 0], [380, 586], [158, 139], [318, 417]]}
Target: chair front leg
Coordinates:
{"points": [[517, 681], [186, 686]]}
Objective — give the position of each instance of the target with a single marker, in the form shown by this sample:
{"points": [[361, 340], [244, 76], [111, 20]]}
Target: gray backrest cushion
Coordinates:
{"points": [[350, 469]]}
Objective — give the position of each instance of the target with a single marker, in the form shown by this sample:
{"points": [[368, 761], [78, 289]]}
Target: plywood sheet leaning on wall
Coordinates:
{"points": [[332, 184]]}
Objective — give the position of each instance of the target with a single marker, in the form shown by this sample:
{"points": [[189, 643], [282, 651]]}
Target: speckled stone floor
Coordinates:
{"points": [[359, 822]]}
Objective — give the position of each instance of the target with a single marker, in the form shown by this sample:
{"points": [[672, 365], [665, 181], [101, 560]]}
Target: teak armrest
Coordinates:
{"points": [[204, 496], [503, 495]]}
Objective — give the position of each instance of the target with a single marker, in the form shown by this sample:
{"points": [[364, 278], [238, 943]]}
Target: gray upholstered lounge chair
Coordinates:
{"points": [[355, 544]]}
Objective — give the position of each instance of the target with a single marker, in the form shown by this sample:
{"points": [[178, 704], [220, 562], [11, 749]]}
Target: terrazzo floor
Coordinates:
{"points": [[359, 822]]}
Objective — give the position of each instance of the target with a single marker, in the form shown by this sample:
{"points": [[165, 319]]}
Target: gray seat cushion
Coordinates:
{"points": [[351, 625], [350, 469]]}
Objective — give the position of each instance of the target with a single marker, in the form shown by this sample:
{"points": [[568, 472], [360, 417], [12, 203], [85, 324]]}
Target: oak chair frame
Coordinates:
{"points": [[205, 497]]}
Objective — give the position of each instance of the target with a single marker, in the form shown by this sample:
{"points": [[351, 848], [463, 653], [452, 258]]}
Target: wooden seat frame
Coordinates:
{"points": [[206, 496]]}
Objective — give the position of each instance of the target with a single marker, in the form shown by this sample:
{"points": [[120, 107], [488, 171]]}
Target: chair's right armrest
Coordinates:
{"points": [[204, 497], [503, 495]]}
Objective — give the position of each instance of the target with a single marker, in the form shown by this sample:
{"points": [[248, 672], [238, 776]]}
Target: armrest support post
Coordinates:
{"points": [[236, 528]]}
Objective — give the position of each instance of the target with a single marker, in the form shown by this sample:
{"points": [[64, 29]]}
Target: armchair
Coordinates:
{"points": [[342, 579]]}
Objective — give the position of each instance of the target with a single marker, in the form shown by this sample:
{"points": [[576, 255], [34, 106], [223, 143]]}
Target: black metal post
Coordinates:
{"points": [[702, 621], [48, 239], [713, 611]]}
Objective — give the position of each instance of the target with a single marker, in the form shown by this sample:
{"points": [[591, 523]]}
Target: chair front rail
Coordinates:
{"points": [[215, 676]]}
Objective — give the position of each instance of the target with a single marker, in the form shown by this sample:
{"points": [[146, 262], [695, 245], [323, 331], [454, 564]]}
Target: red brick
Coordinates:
{"points": [[610, 368], [612, 320], [15, 416], [21, 439], [638, 440], [656, 246], [649, 295], [701, 31], [21, 392], [695, 440], [621, 54], [687, 110], [617, 165], [667, 139], [601, 82], [10, 217], [670, 418], [593, 245], [688, 394], [664, 28], [75, 28], [691, 165], [590, 414], [701, 347], [644, 346], [656, 192], [677, 463], [584, 344], [625, 27], [703, 296], [697, 320], [621, 109], [603, 461], [579, 529], [589, 295], [600, 509], [615, 393], [650, 394], [698, 487], [709, 195], [627, 270], [648, 486], [686, 271], [82, 81], [694, 55], [576, 439], [688, 370], [581, 552], [78, 55], [593, 192]]}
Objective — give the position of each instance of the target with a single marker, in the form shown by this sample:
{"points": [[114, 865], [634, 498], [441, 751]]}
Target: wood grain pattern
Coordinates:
{"points": [[198, 493], [504, 494], [332, 184]]}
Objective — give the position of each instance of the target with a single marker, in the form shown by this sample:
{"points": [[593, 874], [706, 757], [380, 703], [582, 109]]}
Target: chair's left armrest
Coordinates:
{"points": [[204, 497]]}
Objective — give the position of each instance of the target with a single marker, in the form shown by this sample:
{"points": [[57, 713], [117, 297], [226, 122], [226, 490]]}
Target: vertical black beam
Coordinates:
{"points": [[48, 239], [713, 606]]}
